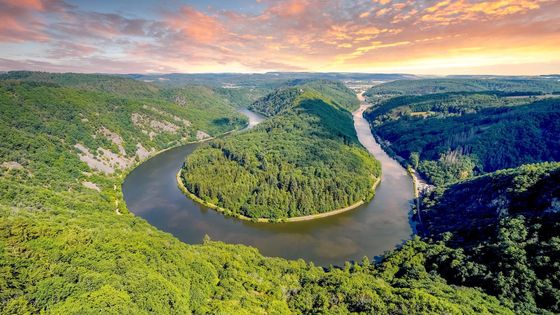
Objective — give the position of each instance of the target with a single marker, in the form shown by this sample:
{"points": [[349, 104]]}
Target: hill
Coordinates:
{"points": [[453, 136], [92, 82], [71, 248], [55, 136], [303, 161], [240, 97], [269, 80], [332, 92], [505, 228], [446, 85]]}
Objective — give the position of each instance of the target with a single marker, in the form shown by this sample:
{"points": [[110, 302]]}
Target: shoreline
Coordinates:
{"points": [[412, 173], [227, 212], [230, 213], [120, 178]]}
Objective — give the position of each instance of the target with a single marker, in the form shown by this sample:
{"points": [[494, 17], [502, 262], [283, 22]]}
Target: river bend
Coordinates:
{"points": [[151, 192]]}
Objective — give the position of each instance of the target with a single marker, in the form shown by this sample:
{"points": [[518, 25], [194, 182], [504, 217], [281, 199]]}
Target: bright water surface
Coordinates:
{"points": [[151, 192]]}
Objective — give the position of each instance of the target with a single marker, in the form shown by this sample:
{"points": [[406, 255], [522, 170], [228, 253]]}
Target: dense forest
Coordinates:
{"points": [[446, 85], [453, 136], [84, 259], [305, 160], [295, 91], [492, 219], [48, 131], [504, 228], [64, 248]]}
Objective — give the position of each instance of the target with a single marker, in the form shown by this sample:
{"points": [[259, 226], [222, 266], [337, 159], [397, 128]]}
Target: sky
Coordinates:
{"points": [[437, 37]]}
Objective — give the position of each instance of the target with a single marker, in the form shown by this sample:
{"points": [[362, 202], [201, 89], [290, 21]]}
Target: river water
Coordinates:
{"points": [[151, 192]]}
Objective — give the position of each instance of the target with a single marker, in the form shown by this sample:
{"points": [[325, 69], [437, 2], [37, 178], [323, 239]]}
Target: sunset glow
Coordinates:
{"points": [[421, 37]]}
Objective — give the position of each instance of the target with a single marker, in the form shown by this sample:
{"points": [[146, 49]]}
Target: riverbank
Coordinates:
{"points": [[419, 184], [369, 230], [230, 213], [172, 145]]}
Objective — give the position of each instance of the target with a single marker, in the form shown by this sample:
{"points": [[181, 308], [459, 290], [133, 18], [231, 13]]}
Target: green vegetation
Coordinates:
{"points": [[303, 161], [74, 249], [205, 107], [446, 85], [443, 104], [505, 228], [65, 250], [91, 82], [497, 231], [45, 128], [335, 93], [93, 261], [240, 97], [277, 101], [453, 136]]}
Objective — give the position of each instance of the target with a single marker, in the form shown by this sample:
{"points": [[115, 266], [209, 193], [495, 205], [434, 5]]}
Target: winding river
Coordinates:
{"points": [[151, 192]]}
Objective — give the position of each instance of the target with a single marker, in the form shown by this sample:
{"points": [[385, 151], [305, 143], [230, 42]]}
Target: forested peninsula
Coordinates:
{"points": [[304, 160], [69, 245]]}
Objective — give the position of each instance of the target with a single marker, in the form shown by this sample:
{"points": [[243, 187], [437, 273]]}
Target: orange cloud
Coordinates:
{"points": [[289, 8], [447, 11], [20, 22], [26, 4], [196, 26], [314, 35]]}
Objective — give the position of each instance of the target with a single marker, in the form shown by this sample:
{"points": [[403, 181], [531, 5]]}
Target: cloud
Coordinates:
{"points": [[289, 8], [71, 50], [94, 25], [288, 35], [196, 26], [19, 21], [446, 11]]}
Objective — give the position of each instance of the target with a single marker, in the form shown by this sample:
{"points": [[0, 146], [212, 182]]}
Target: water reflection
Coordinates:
{"points": [[151, 192]]}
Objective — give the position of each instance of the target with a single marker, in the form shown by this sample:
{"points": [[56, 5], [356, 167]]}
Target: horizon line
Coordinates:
{"points": [[286, 72]]}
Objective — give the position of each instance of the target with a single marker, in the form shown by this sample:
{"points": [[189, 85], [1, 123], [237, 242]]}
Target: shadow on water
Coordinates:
{"points": [[150, 192]]}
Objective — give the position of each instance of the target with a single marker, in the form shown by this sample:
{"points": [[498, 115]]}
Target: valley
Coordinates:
{"points": [[73, 240], [296, 157], [370, 229]]}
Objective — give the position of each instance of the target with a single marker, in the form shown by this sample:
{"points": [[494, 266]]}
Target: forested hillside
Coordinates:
{"points": [[285, 98], [65, 250], [303, 161], [497, 231], [453, 136], [91, 82], [84, 259], [241, 97], [64, 138], [446, 85], [506, 227]]}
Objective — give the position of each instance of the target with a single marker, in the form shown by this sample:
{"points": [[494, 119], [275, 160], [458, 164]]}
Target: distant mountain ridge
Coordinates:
{"points": [[465, 84], [268, 79]]}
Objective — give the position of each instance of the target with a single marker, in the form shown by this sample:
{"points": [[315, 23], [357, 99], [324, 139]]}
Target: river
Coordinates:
{"points": [[151, 192]]}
